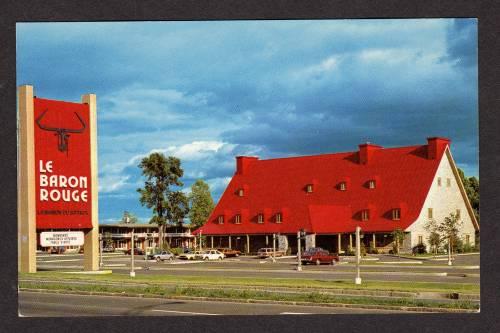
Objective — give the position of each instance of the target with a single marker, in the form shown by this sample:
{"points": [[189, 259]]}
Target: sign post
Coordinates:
{"points": [[57, 187], [26, 208]]}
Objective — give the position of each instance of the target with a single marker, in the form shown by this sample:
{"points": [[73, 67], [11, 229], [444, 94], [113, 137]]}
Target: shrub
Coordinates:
{"points": [[177, 250], [419, 249], [467, 248]]}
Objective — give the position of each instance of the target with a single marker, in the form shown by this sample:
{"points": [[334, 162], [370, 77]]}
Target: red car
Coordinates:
{"points": [[136, 251], [319, 256]]}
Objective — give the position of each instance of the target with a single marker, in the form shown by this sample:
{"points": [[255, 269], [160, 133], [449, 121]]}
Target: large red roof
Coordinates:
{"points": [[403, 178]]}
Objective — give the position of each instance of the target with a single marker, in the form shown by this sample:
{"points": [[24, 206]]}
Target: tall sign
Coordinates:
{"points": [[57, 163], [62, 165]]}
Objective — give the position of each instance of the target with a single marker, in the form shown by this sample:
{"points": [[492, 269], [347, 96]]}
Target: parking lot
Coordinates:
{"points": [[465, 268]]}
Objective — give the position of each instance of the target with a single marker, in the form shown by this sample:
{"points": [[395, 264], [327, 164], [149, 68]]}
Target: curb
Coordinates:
{"points": [[231, 300]]}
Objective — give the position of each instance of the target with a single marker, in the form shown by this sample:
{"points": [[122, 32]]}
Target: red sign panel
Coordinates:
{"points": [[62, 165]]}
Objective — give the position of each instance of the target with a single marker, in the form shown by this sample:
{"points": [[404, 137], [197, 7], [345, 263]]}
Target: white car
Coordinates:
{"points": [[213, 255]]}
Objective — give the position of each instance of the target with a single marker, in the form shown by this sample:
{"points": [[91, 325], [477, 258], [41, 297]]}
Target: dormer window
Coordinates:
{"points": [[371, 184], [237, 219], [278, 218], [342, 186], [448, 182], [309, 188], [365, 215], [396, 214], [220, 219], [260, 218], [240, 192], [439, 181]]}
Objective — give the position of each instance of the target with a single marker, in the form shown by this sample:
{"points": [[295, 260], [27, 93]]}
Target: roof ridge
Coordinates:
{"points": [[337, 153]]}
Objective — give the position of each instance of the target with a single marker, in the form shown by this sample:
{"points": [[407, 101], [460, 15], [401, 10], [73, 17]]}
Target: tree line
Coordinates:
{"points": [[162, 194]]}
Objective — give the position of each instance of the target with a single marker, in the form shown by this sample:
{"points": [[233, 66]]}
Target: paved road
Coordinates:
{"points": [[465, 269], [45, 304]]}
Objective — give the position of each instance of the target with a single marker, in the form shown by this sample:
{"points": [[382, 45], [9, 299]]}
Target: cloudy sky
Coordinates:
{"points": [[208, 91]]}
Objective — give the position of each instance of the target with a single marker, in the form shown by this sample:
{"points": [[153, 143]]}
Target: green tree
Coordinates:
{"points": [[107, 239], [179, 207], [201, 203], [434, 241], [129, 217], [161, 174], [471, 185], [448, 229], [398, 236]]}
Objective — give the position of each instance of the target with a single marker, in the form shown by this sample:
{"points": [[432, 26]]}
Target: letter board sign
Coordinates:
{"points": [[61, 238], [62, 164]]}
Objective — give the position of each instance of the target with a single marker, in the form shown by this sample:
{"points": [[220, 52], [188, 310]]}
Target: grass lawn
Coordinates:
{"points": [[264, 282]]}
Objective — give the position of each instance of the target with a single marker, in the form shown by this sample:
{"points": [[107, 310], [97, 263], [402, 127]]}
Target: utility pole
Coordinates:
{"points": [[299, 263], [358, 256], [132, 272], [274, 247]]}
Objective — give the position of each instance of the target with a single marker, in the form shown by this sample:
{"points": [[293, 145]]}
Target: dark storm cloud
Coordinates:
{"points": [[208, 91]]}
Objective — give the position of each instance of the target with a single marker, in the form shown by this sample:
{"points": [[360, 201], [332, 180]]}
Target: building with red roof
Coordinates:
{"points": [[329, 195]]}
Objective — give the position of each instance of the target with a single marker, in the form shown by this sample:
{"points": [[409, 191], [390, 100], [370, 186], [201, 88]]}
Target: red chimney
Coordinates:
{"points": [[243, 163], [366, 152], [436, 146]]}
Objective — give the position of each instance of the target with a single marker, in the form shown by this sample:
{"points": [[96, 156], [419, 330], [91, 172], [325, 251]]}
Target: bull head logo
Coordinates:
{"points": [[62, 133]]}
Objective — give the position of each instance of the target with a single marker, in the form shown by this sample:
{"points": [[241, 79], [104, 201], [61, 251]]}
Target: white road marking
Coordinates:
{"points": [[294, 313], [190, 313], [59, 260]]}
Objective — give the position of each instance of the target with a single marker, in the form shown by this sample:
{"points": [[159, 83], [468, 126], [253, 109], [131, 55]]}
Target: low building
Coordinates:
{"points": [[379, 189], [146, 236]]}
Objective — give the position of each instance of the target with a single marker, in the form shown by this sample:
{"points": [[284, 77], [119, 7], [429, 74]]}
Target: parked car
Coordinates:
{"points": [[137, 251], [229, 252], [190, 255], [108, 249], [319, 256], [163, 255], [267, 252], [213, 255], [56, 250]]}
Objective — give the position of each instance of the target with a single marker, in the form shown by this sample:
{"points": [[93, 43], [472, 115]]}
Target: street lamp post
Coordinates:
{"points": [[449, 251], [274, 247], [358, 256], [100, 250], [132, 272], [299, 261]]}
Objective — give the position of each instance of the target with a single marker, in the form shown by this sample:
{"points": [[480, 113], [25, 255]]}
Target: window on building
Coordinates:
{"points": [[278, 218], [220, 219], [458, 213], [429, 213], [371, 184], [448, 182], [309, 188], [396, 214], [342, 186], [241, 192], [467, 239], [365, 215], [237, 219], [420, 239], [439, 181], [260, 218]]}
